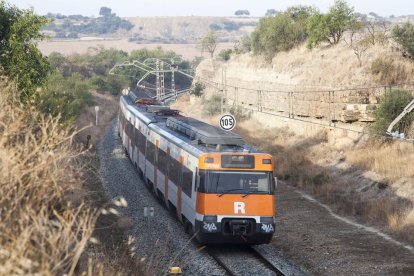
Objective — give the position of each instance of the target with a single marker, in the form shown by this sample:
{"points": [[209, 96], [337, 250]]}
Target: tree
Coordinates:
{"points": [[358, 41], [197, 89], [378, 30], [281, 32], [331, 26], [404, 35], [105, 11], [209, 42], [225, 54], [391, 105], [242, 12], [270, 12], [20, 59]]}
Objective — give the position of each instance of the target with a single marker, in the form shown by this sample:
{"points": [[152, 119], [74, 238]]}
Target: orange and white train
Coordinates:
{"points": [[221, 189]]}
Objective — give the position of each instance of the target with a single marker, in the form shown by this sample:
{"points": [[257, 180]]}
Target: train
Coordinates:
{"points": [[221, 189]]}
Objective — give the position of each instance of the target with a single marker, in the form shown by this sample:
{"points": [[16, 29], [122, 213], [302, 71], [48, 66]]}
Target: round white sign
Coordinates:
{"points": [[227, 122]]}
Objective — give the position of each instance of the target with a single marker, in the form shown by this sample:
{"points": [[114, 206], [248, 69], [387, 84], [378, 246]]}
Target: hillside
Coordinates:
{"points": [[320, 143], [318, 71]]}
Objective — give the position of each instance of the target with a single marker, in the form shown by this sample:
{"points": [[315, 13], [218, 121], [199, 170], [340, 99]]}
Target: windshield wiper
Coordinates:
{"points": [[230, 190]]}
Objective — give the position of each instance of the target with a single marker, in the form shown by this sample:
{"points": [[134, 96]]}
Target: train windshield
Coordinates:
{"points": [[235, 182]]}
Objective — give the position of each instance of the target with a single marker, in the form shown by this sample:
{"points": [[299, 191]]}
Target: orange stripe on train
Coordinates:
{"points": [[235, 204]]}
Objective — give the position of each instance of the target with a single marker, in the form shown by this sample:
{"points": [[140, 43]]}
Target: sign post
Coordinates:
{"points": [[96, 110], [227, 122]]}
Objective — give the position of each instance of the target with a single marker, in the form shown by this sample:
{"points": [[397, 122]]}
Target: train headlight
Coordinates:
{"points": [[210, 218]]}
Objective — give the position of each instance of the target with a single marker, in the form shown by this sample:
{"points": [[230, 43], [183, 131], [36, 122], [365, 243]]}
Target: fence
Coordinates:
{"points": [[323, 107]]}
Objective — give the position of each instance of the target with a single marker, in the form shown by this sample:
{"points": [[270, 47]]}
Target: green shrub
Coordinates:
{"points": [[212, 106], [20, 59], [65, 96], [281, 32], [246, 44], [240, 113], [319, 179], [225, 54], [404, 35], [330, 27], [197, 89], [391, 105]]}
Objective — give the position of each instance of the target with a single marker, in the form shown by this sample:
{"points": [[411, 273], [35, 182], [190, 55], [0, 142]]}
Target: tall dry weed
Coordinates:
{"points": [[393, 160], [42, 231]]}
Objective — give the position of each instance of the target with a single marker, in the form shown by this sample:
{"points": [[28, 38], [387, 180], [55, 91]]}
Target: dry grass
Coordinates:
{"points": [[392, 160], [44, 226], [49, 217]]}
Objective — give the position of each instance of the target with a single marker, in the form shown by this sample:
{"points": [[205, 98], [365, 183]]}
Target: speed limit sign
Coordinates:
{"points": [[227, 122]]}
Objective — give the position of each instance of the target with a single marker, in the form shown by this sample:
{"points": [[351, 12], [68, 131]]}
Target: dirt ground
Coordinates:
{"points": [[67, 47], [323, 245]]}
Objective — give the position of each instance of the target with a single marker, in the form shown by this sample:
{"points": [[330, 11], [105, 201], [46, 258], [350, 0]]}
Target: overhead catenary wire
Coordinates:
{"points": [[219, 87]]}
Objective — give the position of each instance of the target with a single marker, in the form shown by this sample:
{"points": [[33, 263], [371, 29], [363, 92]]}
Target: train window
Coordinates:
{"points": [[162, 161], [136, 137], [187, 180], [128, 129], [235, 182], [141, 142], [150, 153], [174, 171]]}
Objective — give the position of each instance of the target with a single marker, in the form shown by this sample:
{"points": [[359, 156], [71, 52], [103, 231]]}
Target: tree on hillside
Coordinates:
{"points": [[281, 32], [270, 12], [20, 59], [105, 11], [209, 42], [404, 35], [242, 12], [331, 26], [358, 41]]}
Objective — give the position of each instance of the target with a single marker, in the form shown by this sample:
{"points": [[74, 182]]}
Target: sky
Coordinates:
{"points": [[257, 8]]}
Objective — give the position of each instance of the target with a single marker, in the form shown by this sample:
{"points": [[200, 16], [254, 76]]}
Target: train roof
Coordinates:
{"points": [[191, 134]]}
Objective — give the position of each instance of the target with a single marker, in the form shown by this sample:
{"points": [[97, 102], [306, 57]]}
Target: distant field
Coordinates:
{"points": [[188, 51]]}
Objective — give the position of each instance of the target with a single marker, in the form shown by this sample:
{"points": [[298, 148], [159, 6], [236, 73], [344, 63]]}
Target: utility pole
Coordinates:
{"points": [[96, 116], [157, 75], [173, 67], [162, 88], [223, 90]]}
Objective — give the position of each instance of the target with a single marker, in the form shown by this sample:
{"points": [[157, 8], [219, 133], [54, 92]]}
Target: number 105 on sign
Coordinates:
{"points": [[227, 122]]}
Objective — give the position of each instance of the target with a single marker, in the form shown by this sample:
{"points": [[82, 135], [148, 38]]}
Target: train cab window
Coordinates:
{"points": [[235, 182]]}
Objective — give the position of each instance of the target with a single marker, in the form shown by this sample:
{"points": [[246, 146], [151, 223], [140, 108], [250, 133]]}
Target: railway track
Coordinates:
{"points": [[242, 260]]}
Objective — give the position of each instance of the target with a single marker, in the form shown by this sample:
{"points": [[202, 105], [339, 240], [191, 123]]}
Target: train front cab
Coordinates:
{"points": [[235, 199]]}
